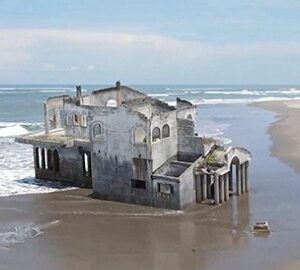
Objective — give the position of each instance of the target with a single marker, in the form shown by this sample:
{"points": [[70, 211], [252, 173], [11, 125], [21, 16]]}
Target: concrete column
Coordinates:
{"points": [[216, 189], [243, 174], [198, 186], [226, 187], [231, 178], [204, 187], [238, 179], [246, 176], [221, 187]]}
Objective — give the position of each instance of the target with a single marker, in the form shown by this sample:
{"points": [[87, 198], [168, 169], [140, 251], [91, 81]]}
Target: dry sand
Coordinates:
{"points": [[285, 132]]}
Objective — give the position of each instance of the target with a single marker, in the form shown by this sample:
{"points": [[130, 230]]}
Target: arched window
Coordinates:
{"points": [[190, 117], [111, 103], [165, 131], [97, 130], [56, 160], [75, 119], [155, 134], [83, 120], [140, 135]]}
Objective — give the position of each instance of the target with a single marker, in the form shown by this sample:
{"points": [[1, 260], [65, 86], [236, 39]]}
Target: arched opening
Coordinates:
{"points": [[111, 103], [83, 120], [97, 130], [155, 134], [37, 158], [140, 135], [75, 119], [234, 177], [165, 131], [190, 117], [56, 160], [49, 159]]}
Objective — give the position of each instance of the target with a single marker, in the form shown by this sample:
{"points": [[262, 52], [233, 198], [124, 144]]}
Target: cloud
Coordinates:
{"points": [[20, 46], [91, 67], [72, 68], [49, 66]]}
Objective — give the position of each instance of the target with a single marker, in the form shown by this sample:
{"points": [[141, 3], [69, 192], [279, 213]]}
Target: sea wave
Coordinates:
{"points": [[240, 92], [10, 129], [158, 95], [238, 100]]}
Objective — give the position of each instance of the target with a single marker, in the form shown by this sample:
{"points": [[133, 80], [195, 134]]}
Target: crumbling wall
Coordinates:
{"points": [[117, 159], [101, 97], [54, 116], [188, 143]]}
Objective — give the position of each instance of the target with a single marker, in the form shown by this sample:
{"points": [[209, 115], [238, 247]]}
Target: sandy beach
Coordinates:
{"points": [[285, 131], [70, 230]]}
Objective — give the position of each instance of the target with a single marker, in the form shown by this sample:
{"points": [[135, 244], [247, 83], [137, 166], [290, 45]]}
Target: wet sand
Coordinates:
{"points": [[70, 230], [285, 131]]}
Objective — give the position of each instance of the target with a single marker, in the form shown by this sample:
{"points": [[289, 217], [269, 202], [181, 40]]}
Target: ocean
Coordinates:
{"points": [[21, 112]]}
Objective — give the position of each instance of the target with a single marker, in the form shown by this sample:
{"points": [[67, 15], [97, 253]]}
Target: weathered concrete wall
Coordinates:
{"points": [[70, 165], [54, 116], [187, 113], [162, 200], [101, 97], [187, 187], [78, 130], [188, 143], [117, 159], [164, 148]]}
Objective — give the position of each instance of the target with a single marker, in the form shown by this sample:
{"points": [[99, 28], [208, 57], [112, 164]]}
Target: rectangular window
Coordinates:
{"points": [[136, 183], [165, 188]]}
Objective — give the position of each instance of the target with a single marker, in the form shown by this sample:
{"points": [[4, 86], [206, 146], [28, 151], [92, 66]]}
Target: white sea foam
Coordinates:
{"points": [[159, 95], [53, 91], [15, 130], [240, 100], [245, 92], [17, 172]]}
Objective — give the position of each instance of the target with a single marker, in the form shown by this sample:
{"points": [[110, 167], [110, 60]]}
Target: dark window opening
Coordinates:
{"points": [[155, 134], [56, 160], [165, 188], [76, 119], [49, 159], [97, 130], [165, 131], [140, 184], [37, 158]]}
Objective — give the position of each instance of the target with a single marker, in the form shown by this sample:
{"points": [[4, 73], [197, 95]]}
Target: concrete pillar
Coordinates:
{"points": [[226, 187], [231, 178], [204, 187], [246, 176], [216, 189], [243, 177], [198, 186], [221, 187], [238, 179]]}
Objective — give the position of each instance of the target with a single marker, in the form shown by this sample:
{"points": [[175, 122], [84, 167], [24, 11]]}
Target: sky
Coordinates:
{"points": [[150, 42]]}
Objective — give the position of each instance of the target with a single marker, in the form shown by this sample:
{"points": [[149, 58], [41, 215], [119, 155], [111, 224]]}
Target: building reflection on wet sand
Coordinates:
{"points": [[106, 235]]}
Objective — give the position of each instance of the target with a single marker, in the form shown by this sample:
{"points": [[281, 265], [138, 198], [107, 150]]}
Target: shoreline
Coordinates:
{"points": [[284, 131]]}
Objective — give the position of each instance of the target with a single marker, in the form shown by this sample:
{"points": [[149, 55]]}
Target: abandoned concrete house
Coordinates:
{"points": [[133, 148]]}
